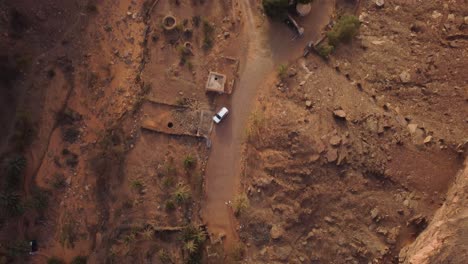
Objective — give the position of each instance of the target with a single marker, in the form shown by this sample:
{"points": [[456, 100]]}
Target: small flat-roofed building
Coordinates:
{"points": [[216, 82]]}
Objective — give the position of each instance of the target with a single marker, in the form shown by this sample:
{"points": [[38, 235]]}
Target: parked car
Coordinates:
{"points": [[220, 115]]}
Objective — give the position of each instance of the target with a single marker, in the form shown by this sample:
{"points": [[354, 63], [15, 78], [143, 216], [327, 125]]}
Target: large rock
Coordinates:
{"points": [[379, 3], [405, 77], [276, 232], [339, 113], [445, 240], [335, 140]]}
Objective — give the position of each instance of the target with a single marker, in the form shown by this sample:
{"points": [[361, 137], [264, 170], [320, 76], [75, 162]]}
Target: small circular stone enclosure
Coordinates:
{"points": [[169, 22]]}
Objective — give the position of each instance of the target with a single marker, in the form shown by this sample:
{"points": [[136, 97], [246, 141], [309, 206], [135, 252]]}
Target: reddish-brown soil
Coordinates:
{"points": [[81, 80]]}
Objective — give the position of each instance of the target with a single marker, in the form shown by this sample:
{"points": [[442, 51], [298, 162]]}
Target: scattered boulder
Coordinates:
{"points": [[375, 214], [339, 113], [276, 232], [405, 77], [451, 17], [427, 139], [332, 155], [412, 128], [308, 104], [329, 220], [436, 15], [335, 140], [465, 19], [418, 27], [292, 72], [379, 3], [314, 158]]}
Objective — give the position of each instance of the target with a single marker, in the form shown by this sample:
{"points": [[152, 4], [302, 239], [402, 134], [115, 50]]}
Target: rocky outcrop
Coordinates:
{"points": [[446, 238]]}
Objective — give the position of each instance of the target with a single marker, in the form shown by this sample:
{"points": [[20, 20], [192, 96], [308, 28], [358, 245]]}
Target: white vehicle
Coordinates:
{"points": [[220, 115]]}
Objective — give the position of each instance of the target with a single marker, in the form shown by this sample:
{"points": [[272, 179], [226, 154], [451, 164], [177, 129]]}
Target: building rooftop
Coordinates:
{"points": [[216, 82]]}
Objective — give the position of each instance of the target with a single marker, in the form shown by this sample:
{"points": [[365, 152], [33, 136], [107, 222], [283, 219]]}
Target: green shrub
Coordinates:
{"points": [[181, 194], [136, 185], [168, 182], [79, 260], [283, 71], [193, 239], [344, 30], [324, 50], [241, 203], [208, 33], [58, 181], [164, 256], [189, 162], [170, 205], [275, 9]]}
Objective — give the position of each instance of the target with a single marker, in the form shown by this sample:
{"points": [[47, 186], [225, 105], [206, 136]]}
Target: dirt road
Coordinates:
{"points": [[268, 45]]}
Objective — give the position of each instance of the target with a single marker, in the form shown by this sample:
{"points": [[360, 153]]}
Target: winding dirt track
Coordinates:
{"points": [[268, 45]]}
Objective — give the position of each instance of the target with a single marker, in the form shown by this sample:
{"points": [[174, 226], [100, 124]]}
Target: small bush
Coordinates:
{"points": [[208, 32], [241, 203], [181, 194], [189, 162], [170, 205], [324, 50], [191, 246], [283, 71], [304, 1], [58, 181], [196, 21], [164, 256], [136, 185], [193, 239], [168, 182], [344, 30], [71, 134], [55, 260], [79, 260], [148, 233]]}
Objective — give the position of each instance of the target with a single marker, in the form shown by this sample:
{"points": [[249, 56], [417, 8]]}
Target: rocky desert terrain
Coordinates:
{"points": [[354, 155]]}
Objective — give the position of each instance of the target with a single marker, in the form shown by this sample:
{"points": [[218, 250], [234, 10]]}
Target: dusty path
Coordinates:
{"points": [[266, 49]]}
